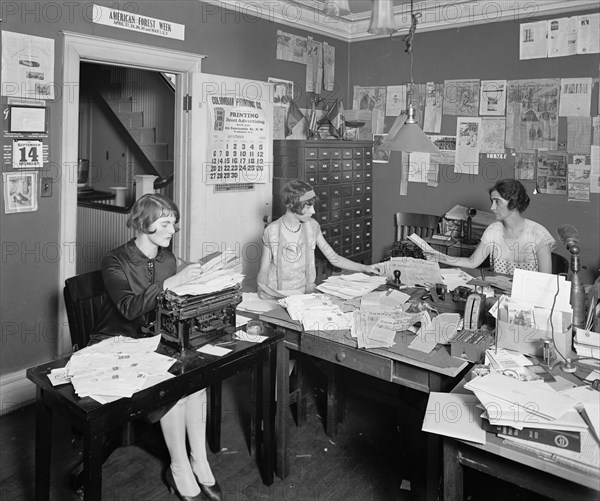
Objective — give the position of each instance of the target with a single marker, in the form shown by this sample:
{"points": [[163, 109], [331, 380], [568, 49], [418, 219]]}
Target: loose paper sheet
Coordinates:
{"points": [[454, 415]]}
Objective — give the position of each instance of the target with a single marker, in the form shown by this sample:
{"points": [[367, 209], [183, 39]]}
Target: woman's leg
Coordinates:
{"points": [[195, 422], [173, 425]]}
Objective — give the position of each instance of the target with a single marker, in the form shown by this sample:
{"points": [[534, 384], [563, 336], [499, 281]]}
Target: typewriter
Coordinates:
{"points": [[184, 320]]}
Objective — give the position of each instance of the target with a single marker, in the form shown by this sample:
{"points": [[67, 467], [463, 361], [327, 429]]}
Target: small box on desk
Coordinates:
{"points": [[530, 339], [471, 344]]}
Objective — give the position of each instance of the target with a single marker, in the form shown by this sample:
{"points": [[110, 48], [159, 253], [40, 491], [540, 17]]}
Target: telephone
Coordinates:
{"points": [[474, 310]]}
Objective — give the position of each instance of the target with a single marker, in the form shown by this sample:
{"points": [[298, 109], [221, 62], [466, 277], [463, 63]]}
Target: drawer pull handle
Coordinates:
{"points": [[340, 356]]}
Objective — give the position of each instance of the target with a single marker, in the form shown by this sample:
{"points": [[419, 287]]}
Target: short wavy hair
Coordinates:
{"points": [[147, 209], [291, 193], [512, 191]]}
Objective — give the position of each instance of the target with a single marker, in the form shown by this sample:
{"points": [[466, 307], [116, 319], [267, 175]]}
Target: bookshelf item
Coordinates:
{"points": [[341, 173]]}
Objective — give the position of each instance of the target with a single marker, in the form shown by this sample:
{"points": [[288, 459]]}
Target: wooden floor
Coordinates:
{"points": [[364, 462]]}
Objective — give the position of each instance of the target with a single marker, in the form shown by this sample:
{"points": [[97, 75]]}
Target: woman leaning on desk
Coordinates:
{"points": [[134, 275], [512, 242], [287, 265]]}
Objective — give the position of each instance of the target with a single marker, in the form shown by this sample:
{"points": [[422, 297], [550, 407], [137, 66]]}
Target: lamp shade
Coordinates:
{"points": [[382, 17], [335, 8], [407, 136]]}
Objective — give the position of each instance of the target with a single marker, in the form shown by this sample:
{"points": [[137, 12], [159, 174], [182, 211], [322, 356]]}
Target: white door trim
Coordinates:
{"points": [[80, 47]]}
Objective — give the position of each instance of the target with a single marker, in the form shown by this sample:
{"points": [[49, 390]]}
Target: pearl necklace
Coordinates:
{"points": [[288, 228]]}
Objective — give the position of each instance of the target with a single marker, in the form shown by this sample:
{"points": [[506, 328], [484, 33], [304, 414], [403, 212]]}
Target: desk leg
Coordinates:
{"points": [[265, 419], [214, 417], [93, 457], [433, 449], [453, 472], [282, 466], [43, 447]]}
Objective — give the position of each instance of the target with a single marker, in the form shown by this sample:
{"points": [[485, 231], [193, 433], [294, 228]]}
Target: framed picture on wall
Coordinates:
{"points": [[20, 192]]}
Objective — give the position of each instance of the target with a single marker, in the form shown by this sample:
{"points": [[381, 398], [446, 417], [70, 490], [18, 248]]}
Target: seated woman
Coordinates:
{"points": [[512, 242], [288, 266], [134, 275]]}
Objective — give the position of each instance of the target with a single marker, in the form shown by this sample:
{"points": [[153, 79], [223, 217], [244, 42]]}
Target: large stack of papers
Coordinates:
{"points": [[350, 286], [317, 312], [512, 405], [380, 315], [521, 405], [221, 272], [117, 367]]}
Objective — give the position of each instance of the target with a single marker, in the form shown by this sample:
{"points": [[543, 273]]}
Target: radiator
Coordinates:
{"points": [[98, 231]]}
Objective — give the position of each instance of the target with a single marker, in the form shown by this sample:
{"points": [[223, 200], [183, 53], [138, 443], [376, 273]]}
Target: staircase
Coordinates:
{"points": [[142, 106]]}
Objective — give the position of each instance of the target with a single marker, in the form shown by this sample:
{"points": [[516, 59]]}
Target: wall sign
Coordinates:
{"points": [[134, 22]]}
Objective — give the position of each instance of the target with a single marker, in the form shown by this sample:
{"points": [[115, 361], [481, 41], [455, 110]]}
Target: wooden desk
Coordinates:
{"points": [[436, 371], [517, 466], [194, 372], [514, 465]]}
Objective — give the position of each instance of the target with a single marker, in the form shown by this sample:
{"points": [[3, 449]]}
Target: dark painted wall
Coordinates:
{"points": [[236, 44], [481, 52]]}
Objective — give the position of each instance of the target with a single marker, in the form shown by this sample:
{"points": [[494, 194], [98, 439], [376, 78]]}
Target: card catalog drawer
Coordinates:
{"points": [[324, 153], [347, 153], [322, 192]]}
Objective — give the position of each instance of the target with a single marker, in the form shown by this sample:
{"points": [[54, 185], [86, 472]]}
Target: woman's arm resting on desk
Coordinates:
{"points": [[478, 257], [346, 264]]}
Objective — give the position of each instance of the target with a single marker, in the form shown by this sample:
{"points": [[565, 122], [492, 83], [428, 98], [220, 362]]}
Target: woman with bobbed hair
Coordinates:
{"points": [[134, 275], [512, 241], [287, 265]]}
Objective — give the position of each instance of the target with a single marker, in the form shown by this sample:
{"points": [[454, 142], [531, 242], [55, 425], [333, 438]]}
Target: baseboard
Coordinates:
{"points": [[15, 391]]}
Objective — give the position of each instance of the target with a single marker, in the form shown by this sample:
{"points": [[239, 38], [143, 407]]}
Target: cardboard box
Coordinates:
{"points": [[529, 340]]}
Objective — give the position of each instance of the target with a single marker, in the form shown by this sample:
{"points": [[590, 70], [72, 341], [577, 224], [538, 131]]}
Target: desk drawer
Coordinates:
{"points": [[346, 356]]}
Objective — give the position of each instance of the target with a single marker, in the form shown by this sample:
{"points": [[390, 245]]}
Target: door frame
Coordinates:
{"points": [[79, 48]]}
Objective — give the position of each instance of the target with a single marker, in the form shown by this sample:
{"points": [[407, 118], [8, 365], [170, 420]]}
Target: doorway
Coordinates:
{"points": [[80, 48]]}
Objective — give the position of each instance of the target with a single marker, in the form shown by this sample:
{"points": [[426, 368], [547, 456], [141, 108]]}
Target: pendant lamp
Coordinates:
{"points": [[408, 136], [336, 8], [405, 134], [382, 17]]}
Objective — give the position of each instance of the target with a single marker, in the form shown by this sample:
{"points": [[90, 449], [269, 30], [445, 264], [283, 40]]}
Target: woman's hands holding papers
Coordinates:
{"points": [[375, 269], [433, 255], [188, 274]]}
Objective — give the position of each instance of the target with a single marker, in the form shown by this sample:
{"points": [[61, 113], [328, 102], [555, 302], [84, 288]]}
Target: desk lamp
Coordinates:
{"points": [[570, 237]]}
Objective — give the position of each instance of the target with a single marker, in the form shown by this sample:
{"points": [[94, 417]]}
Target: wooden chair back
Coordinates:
{"points": [[84, 296], [408, 223], [560, 264]]}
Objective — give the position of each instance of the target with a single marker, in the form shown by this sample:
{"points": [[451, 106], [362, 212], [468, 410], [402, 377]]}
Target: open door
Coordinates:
{"points": [[228, 195]]}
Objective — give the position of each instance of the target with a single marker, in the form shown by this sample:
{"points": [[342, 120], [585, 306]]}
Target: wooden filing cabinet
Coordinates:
{"points": [[341, 173]]}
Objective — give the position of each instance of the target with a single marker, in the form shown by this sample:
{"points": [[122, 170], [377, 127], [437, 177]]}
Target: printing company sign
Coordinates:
{"points": [[134, 22]]}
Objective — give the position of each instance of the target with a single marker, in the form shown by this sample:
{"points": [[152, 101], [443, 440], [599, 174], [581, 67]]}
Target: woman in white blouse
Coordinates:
{"points": [[512, 242]]}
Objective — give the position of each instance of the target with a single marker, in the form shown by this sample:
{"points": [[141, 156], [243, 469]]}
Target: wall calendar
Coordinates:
{"points": [[238, 138]]}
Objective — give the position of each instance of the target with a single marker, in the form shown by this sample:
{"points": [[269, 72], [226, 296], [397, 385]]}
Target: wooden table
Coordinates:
{"points": [[517, 466], [514, 465], [436, 371], [193, 371]]}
